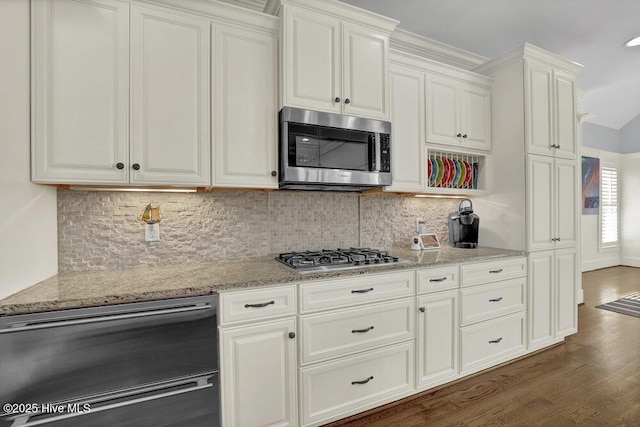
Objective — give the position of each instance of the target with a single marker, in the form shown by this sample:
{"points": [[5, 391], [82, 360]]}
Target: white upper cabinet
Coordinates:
{"points": [[458, 113], [120, 94], [566, 115], [335, 58], [365, 71], [407, 116], [244, 107], [476, 117], [443, 116], [539, 134], [311, 64], [80, 89], [550, 106], [170, 141]]}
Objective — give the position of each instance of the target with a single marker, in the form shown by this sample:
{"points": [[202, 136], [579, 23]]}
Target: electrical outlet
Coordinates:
{"points": [[421, 227], [151, 232]]}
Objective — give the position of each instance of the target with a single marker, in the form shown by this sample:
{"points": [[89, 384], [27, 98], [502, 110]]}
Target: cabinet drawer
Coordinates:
{"points": [[491, 342], [493, 300], [257, 304], [491, 271], [346, 331], [336, 389], [356, 290], [437, 279]]}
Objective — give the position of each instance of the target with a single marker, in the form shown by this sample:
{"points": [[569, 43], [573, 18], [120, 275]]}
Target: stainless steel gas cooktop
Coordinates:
{"points": [[337, 259]]}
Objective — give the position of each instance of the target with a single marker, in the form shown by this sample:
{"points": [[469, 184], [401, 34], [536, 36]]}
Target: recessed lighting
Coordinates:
{"points": [[305, 139], [633, 42]]}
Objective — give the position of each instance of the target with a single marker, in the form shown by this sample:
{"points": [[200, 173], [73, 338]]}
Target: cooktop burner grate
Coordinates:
{"points": [[336, 259]]}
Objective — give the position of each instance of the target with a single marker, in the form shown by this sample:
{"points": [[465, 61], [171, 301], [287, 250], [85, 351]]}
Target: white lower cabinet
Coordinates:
{"points": [[343, 332], [336, 389], [437, 339], [311, 353], [553, 308], [258, 374], [492, 300], [494, 341]]}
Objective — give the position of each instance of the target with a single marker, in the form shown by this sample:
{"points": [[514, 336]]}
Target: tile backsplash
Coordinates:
{"points": [[100, 230]]}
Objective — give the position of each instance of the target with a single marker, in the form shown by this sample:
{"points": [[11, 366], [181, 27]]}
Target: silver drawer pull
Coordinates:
{"points": [[361, 291], [441, 279], [262, 304], [363, 381], [361, 331], [495, 341], [496, 271], [495, 299]]}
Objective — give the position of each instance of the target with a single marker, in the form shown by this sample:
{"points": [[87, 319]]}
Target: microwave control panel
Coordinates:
{"points": [[385, 153]]}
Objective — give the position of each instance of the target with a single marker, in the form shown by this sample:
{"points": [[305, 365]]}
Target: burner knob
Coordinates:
{"points": [[386, 260], [396, 259], [356, 262]]}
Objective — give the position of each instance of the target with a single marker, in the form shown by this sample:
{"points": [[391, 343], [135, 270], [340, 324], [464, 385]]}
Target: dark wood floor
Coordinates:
{"points": [[593, 379]]}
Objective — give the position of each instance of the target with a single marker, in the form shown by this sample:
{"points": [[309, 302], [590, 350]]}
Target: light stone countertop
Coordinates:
{"points": [[94, 288]]}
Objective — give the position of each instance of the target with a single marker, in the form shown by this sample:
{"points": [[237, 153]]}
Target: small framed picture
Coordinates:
{"points": [[429, 241]]}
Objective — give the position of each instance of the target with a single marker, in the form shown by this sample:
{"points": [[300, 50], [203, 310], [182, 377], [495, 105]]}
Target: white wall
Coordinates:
{"points": [[630, 203], [28, 212], [592, 256]]}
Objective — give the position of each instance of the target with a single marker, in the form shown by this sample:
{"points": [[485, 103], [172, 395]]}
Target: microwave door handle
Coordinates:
{"points": [[378, 158]]}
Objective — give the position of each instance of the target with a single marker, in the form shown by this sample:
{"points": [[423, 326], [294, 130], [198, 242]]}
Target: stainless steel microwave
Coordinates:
{"points": [[324, 151]]}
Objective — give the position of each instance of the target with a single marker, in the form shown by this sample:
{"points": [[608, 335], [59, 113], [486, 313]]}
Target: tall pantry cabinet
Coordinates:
{"points": [[535, 177]]}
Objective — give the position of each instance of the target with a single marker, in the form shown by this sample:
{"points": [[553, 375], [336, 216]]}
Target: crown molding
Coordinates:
{"points": [[339, 10], [222, 11], [431, 66], [255, 5], [529, 51], [416, 44]]}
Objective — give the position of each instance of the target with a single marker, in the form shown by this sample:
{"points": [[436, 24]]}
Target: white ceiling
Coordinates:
{"points": [[589, 32]]}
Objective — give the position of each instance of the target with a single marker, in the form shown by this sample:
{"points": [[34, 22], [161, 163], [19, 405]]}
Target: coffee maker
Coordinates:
{"points": [[463, 226]]}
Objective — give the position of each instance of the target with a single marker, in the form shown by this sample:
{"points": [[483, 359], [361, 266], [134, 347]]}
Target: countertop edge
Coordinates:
{"points": [[287, 278]]}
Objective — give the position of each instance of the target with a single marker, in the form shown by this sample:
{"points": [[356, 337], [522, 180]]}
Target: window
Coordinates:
{"points": [[609, 223]]}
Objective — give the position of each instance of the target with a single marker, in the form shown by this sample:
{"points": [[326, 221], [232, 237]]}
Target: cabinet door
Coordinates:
{"points": [[566, 201], [258, 374], [541, 298], [311, 72], [365, 71], [407, 116], [565, 114], [540, 203], [442, 110], [169, 98], [476, 117], [538, 109], [244, 108], [437, 339], [566, 264], [80, 89]]}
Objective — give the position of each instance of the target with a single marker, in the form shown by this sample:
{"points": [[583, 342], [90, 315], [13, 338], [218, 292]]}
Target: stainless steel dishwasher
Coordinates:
{"points": [[139, 364]]}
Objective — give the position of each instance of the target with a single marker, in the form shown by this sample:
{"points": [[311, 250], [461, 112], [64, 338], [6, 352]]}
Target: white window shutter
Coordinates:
{"points": [[609, 224]]}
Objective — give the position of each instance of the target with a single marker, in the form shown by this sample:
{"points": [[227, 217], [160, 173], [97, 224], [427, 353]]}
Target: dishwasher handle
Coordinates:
{"points": [[29, 326]]}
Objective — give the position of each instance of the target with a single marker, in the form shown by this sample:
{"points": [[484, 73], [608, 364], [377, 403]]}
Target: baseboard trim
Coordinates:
{"points": [[601, 263], [631, 262]]}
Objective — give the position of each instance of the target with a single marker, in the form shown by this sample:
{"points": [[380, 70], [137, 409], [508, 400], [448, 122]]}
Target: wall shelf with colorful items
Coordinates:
{"points": [[455, 173]]}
